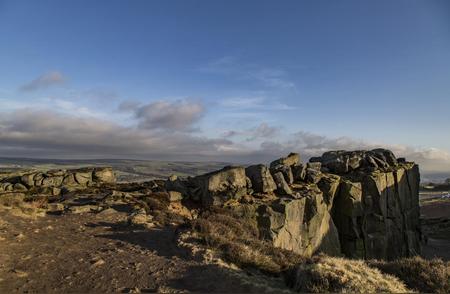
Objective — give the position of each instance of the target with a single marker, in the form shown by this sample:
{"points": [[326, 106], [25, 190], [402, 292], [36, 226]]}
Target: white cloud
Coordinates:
{"points": [[46, 80], [47, 133], [179, 115]]}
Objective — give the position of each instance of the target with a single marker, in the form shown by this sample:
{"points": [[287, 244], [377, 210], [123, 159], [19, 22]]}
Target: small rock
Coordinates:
{"points": [[83, 209], [108, 211], [175, 196], [19, 236], [97, 262], [55, 207], [19, 187], [141, 218], [19, 273], [314, 165]]}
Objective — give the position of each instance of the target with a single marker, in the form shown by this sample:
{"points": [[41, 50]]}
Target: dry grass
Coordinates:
{"points": [[237, 239], [429, 276], [19, 206], [157, 205], [332, 274]]}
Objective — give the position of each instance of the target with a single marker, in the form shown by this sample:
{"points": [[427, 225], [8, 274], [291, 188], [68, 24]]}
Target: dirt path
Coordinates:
{"points": [[436, 227], [436, 248], [101, 253]]}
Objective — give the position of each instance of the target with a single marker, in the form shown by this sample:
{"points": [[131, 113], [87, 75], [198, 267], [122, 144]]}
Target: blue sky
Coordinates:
{"points": [[239, 80]]}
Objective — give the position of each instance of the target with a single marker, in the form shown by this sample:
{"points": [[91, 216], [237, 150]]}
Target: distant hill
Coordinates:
{"points": [[126, 169]]}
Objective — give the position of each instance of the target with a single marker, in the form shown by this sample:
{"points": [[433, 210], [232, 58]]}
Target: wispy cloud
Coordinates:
{"points": [[267, 76], [262, 131], [46, 80], [256, 103]]}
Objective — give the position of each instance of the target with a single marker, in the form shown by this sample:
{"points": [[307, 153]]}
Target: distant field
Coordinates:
{"points": [[127, 170]]}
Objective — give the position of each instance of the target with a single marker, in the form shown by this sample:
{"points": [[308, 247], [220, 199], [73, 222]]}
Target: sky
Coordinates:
{"points": [[240, 81]]}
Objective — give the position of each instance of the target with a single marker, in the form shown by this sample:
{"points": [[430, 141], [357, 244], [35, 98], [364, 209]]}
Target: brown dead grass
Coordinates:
{"points": [[237, 240], [23, 207], [333, 274], [157, 205], [428, 276]]}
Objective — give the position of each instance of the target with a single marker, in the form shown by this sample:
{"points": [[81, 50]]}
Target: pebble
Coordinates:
{"points": [[97, 262], [19, 273]]}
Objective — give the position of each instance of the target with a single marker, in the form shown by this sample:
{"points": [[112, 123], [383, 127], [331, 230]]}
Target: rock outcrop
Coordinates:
{"points": [[362, 203], [377, 208], [53, 182], [290, 212], [261, 179]]}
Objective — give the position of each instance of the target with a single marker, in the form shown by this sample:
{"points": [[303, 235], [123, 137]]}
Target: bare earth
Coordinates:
{"points": [[436, 225], [99, 252]]}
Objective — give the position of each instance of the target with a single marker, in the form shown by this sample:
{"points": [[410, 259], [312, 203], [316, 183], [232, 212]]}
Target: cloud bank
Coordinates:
{"points": [[46, 133]]}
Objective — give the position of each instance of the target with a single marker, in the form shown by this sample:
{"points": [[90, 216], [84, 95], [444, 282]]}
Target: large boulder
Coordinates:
{"points": [[261, 179], [342, 162], [286, 170], [282, 186], [313, 175], [329, 185], [302, 225], [177, 184], [218, 187], [377, 214], [290, 160], [28, 179], [52, 182], [103, 175], [83, 176], [299, 172]]}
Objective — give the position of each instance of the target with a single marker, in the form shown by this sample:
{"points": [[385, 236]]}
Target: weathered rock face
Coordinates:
{"points": [[376, 210], [291, 213], [261, 179], [341, 162], [303, 224], [282, 186], [218, 187], [362, 203], [54, 181], [290, 160]]}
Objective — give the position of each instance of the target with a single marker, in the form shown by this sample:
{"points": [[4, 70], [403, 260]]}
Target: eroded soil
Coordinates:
{"points": [[101, 252]]}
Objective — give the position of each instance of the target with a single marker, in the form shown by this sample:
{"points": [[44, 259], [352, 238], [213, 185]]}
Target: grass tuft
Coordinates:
{"points": [[333, 274], [237, 239], [426, 276]]}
